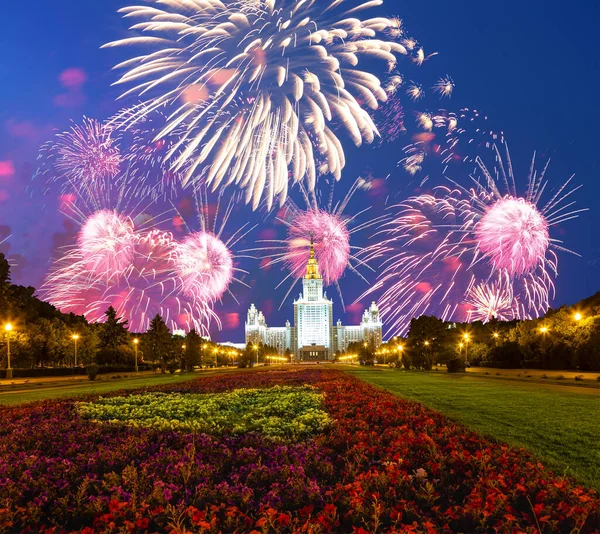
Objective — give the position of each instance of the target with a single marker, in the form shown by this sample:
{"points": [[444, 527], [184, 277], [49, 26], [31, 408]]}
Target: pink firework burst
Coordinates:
{"points": [[331, 231], [332, 244], [87, 152], [514, 235], [106, 241], [434, 262], [149, 285], [205, 266]]}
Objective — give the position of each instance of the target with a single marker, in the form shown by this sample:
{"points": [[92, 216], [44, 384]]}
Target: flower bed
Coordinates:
{"points": [[280, 411], [383, 465]]}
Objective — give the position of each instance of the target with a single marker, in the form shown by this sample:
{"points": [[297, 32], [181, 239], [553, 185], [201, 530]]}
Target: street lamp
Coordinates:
{"points": [[256, 349], [75, 338], [578, 317], [135, 347], [467, 339], [8, 327]]}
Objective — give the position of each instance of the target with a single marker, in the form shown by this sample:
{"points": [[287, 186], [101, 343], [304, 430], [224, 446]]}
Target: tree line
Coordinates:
{"points": [[42, 337], [565, 338]]}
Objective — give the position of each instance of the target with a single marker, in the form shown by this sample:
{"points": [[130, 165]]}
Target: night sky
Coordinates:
{"points": [[531, 66]]}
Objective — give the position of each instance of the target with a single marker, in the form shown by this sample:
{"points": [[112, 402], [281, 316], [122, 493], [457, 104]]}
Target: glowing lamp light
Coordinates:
{"points": [[578, 317], [75, 337], [8, 327], [136, 340], [544, 329]]}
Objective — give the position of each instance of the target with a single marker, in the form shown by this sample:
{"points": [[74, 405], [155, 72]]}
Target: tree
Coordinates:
{"points": [[427, 337], [192, 352], [113, 333], [157, 343]]}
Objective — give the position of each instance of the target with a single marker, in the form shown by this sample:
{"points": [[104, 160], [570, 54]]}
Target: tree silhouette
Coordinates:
{"points": [[113, 332]]}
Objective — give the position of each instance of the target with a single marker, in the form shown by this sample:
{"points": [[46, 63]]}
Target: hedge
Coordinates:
{"points": [[72, 371]]}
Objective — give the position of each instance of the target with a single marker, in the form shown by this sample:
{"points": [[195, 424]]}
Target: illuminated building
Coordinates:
{"points": [[313, 336]]}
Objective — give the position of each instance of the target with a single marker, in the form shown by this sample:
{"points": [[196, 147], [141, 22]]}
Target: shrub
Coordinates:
{"points": [[544, 375], [579, 378], [598, 378], [92, 370], [117, 356], [509, 354], [456, 365], [560, 377]]}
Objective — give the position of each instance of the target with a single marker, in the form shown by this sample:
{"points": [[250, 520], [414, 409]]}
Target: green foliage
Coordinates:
{"points": [[427, 337], [157, 343], [92, 370], [456, 364], [113, 333], [122, 355], [280, 411], [192, 353]]}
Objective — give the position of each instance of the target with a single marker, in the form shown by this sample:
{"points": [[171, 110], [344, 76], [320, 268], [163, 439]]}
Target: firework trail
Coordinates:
{"points": [[331, 230], [258, 86], [122, 259], [150, 174], [492, 300], [84, 154], [205, 260], [449, 252]]}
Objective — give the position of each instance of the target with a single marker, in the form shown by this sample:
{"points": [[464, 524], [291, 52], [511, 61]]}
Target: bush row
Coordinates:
{"points": [[73, 371]]}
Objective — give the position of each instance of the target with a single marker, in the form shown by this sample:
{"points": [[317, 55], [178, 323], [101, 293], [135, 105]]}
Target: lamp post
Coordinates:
{"points": [[577, 317], [135, 348], [256, 349], [496, 336], [75, 338], [8, 327], [467, 339], [544, 332]]}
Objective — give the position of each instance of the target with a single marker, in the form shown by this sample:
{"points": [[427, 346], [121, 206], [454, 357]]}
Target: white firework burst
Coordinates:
{"points": [[259, 86]]}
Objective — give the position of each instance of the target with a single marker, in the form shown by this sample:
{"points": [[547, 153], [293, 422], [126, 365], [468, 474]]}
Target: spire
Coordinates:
{"points": [[312, 267]]}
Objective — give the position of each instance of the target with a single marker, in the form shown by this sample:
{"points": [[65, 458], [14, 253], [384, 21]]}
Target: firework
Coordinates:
{"points": [[122, 258], [86, 152], [459, 252], [444, 87], [106, 242], [205, 265], [331, 230], [514, 235], [492, 300], [149, 172], [332, 244], [148, 286], [257, 86]]}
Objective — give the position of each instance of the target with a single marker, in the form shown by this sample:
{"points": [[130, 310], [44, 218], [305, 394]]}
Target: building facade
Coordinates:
{"points": [[313, 335]]}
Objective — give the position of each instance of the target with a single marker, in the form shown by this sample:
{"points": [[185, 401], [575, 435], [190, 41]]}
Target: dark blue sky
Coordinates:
{"points": [[532, 66]]}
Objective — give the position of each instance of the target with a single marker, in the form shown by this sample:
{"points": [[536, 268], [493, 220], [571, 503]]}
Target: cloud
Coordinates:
{"points": [[231, 321], [7, 169], [72, 78]]}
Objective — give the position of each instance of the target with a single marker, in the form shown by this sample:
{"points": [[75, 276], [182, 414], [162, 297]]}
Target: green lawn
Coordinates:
{"points": [[559, 426], [51, 391]]}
